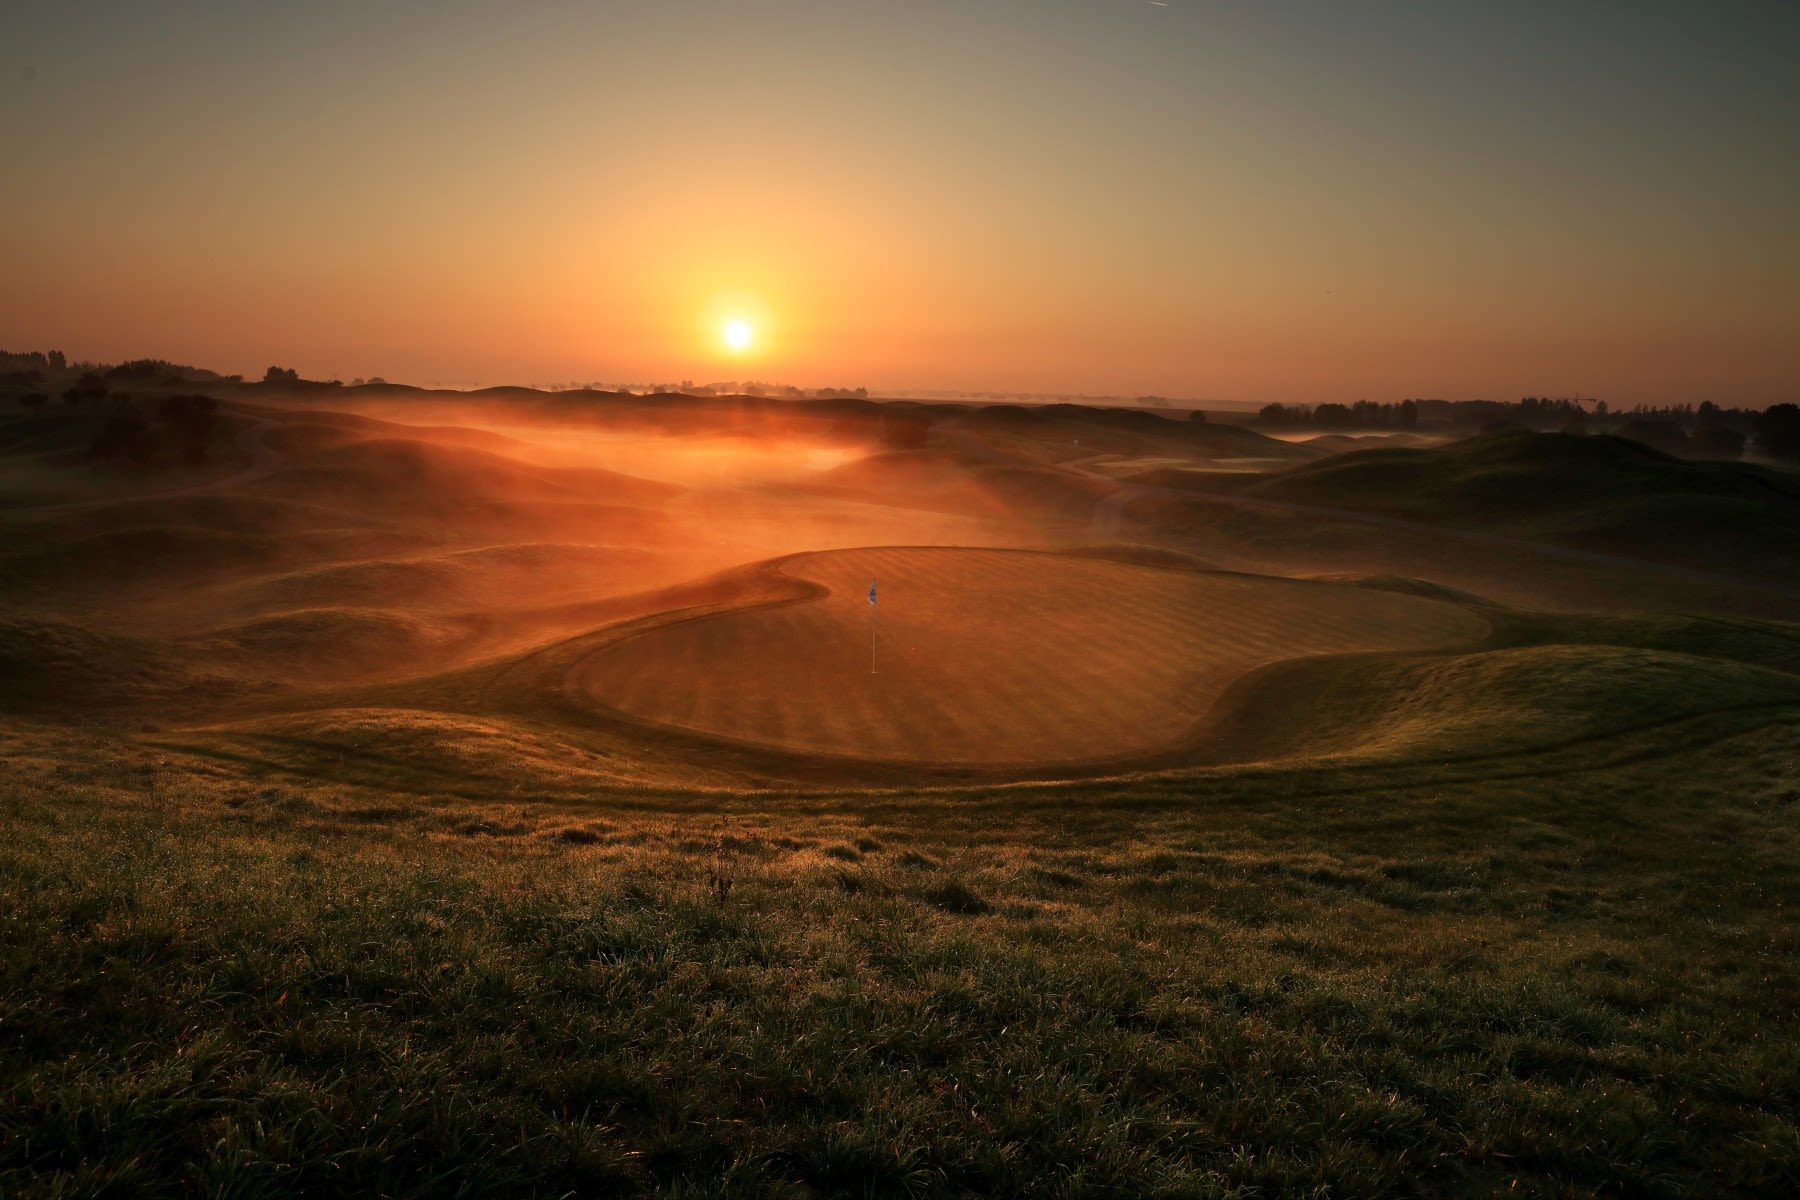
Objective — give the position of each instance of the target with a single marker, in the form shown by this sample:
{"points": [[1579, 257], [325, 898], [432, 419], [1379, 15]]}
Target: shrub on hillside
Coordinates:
{"points": [[192, 420], [90, 387], [124, 435]]}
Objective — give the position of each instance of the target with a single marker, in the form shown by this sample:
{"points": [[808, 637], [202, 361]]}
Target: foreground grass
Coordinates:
{"points": [[1580, 983]]}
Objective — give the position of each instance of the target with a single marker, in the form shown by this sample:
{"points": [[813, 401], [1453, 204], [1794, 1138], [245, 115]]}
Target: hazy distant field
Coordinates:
{"points": [[414, 794]]}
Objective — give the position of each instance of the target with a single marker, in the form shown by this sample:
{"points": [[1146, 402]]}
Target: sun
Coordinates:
{"points": [[738, 333]]}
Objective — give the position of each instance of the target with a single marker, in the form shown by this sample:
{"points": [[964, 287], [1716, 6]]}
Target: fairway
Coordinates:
{"points": [[992, 657]]}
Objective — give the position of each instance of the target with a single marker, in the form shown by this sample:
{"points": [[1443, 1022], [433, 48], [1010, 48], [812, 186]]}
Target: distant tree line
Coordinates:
{"points": [[35, 370], [35, 364], [1709, 431], [288, 377], [1363, 414], [32, 361], [748, 387], [163, 372], [1532, 412]]}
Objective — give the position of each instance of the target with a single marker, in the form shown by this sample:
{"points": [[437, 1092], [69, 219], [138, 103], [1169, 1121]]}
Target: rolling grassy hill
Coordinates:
{"points": [[401, 473], [1487, 705], [433, 846], [1600, 493], [509, 575], [1060, 432], [964, 482], [1499, 475], [65, 672], [317, 644]]}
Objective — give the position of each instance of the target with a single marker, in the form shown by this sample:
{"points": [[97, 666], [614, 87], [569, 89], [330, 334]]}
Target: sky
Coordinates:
{"points": [[1246, 202]]}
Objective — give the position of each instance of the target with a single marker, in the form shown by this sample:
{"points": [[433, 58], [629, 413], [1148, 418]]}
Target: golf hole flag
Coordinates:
{"points": [[871, 591]]}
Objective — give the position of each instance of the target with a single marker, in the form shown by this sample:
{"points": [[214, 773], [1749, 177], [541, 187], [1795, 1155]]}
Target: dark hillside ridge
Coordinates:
{"points": [[1600, 494], [401, 471], [56, 669], [677, 412], [1500, 474]]}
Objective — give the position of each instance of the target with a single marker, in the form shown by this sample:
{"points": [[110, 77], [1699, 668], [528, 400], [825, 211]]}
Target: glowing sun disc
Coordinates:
{"points": [[737, 334]]}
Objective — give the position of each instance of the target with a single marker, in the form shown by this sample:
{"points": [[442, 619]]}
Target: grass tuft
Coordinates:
{"points": [[955, 896]]}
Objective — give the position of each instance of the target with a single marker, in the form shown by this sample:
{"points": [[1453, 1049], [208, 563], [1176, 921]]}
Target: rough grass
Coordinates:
{"points": [[1245, 983]]}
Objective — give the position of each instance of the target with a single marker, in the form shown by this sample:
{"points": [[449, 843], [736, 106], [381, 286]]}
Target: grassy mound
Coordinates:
{"points": [[437, 753], [505, 576], [1600, 493], [334, 643], [247, 515], [1492, 703], [1120, 431], [1035, 493], [311, 431], [59, 669], [59, 433], [1771, 644], [127, 557], [405, 582], [902, 472], [1505, 473], [418, 476], [955, 482]]}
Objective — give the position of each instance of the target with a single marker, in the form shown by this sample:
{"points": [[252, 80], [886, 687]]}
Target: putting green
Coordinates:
{"points": [[992, 657]]}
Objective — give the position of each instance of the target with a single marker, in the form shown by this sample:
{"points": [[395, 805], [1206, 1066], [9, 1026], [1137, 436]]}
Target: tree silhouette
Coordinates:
{"points": [[89, 387], [125, 434], [1713, 436], [1332, 416], [1778, 432]]}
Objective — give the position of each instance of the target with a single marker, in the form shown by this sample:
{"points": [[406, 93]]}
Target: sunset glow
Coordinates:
{"points": [[1254, 203], [737, 334]]}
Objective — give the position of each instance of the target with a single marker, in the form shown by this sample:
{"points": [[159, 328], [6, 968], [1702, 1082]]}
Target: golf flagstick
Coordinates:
{"points": [[871, 626]]}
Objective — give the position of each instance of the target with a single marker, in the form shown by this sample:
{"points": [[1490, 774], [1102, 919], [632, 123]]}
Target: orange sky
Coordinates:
{"points": [[1250, 202]]}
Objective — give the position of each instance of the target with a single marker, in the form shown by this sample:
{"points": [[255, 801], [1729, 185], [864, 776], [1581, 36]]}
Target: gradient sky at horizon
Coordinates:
{"points": [[1252, 202]]}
